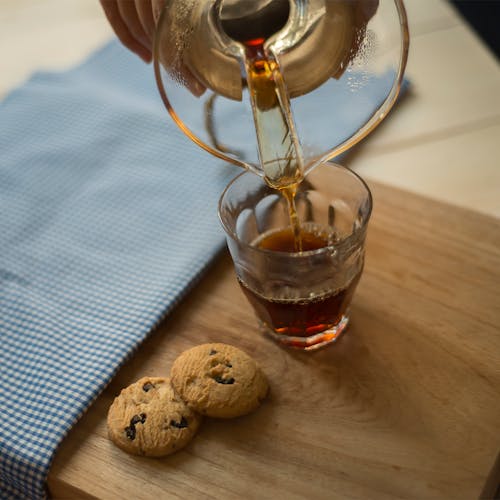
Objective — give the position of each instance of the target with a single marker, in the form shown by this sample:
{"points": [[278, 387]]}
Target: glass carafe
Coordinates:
{"points": [[324, 63]]}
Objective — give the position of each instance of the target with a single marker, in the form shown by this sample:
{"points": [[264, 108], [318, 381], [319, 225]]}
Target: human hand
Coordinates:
{"points": [[134, 23]]}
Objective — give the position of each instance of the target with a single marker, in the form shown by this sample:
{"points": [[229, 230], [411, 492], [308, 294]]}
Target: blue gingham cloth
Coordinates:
{"points": [[108, 215]]}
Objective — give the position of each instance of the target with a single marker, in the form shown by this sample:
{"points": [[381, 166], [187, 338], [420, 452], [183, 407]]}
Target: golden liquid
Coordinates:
{"points": [[279, 149], [289, 193]]}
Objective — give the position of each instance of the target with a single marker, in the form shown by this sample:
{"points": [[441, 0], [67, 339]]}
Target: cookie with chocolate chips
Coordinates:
{"points": [[148, 418], [218, 380]]}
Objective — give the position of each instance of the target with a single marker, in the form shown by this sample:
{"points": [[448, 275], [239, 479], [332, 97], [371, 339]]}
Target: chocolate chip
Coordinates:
{"points": [[148, 386], [130, 430], [221, 380], [229, 365], [180, 425], [212, 352], [136, 419]]}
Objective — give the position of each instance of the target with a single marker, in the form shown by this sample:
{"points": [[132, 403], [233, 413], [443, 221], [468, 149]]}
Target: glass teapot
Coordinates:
{"points": [[280, 86]]}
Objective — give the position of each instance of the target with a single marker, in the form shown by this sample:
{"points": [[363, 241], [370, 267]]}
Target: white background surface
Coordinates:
{"points": [[443, 140]]}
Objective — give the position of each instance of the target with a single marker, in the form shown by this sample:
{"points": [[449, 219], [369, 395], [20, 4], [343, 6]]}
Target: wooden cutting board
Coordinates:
{"points": [[406, 404]]}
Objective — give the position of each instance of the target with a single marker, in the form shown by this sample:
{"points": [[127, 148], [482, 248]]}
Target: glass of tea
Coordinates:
{"points": [[299, 264]]}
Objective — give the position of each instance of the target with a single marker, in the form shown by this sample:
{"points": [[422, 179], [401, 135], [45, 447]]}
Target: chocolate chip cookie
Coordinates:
{"points": [[148, 418], [218, 380]]}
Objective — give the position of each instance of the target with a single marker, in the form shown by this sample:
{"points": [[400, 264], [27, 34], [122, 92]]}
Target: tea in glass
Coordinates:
{"points": [[301, 298]]}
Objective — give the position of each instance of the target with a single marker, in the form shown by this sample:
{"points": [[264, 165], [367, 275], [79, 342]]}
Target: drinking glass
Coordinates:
{"points": [[301, 299]]}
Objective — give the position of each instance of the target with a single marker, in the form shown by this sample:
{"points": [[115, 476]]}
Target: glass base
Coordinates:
{"points": [[311, 343]]}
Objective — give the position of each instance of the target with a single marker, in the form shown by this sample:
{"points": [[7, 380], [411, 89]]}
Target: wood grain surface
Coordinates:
{"points": [[405, 405]]}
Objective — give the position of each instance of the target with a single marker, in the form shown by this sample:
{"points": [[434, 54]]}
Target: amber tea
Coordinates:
{"points": [[302, 317], [279, 148]]}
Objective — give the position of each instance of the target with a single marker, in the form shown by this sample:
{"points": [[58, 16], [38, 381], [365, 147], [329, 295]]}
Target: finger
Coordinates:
{"points": [[121, 30], [145, 12], [134, 25]]}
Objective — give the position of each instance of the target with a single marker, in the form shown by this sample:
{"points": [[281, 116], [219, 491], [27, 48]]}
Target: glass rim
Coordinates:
{"points": [[308, 253]]}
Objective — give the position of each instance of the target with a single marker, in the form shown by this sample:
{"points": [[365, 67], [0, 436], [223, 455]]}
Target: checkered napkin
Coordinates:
{"points": [[108, 215], [107, 218]]}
